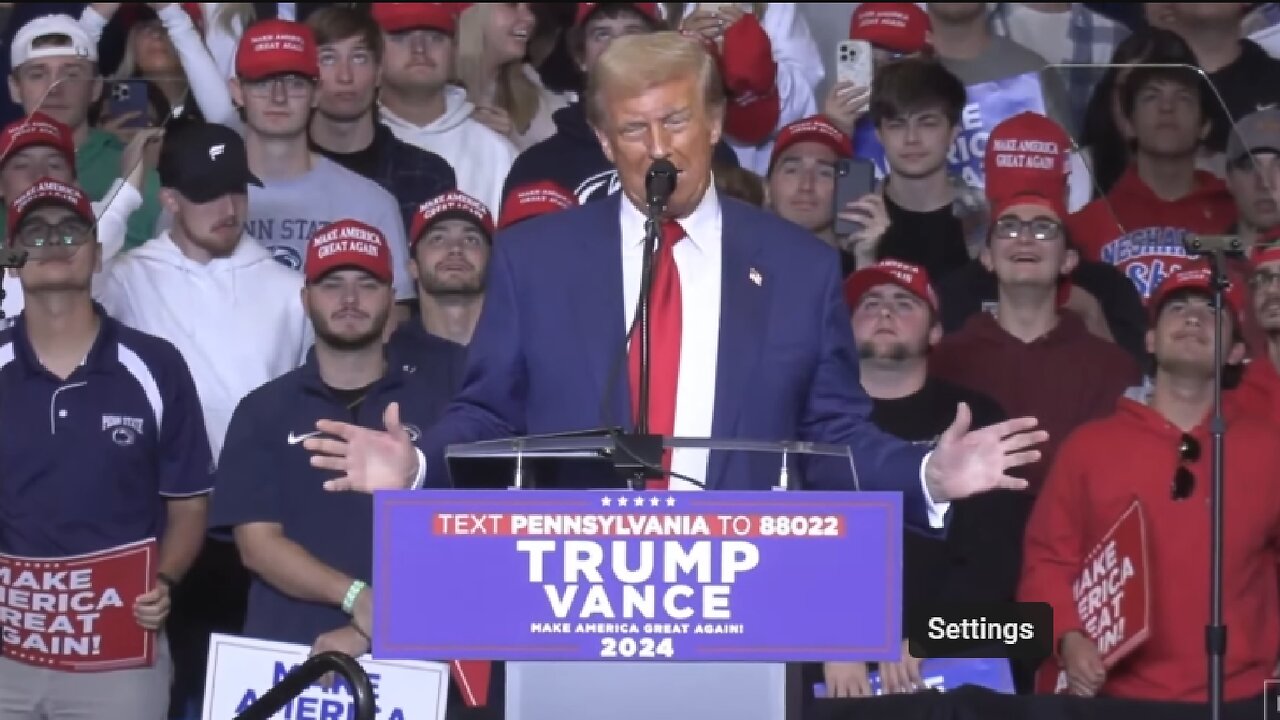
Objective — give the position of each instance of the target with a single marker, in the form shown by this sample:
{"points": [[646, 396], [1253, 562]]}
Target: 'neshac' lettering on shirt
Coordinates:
{"points": [[1145, 242]]}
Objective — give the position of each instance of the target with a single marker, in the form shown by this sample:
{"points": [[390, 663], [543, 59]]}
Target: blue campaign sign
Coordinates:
{"points": [[988, 105], [594, 575]]}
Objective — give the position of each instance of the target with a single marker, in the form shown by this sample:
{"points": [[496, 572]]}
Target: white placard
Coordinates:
{"points": [[241, 670]]}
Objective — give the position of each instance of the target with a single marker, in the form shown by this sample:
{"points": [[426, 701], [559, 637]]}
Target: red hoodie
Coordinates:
{"points": [[1258, 393], [1097, 472], [1146, 244]]}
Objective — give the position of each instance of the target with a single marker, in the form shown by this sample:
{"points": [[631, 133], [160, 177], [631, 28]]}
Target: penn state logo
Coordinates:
{"points": [[414, 432], [122, 429], [286, 256], [598, 186]]}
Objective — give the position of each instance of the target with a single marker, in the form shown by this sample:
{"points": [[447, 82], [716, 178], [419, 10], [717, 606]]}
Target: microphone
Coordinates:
{"points": [[1208, 244], [659, 184]]}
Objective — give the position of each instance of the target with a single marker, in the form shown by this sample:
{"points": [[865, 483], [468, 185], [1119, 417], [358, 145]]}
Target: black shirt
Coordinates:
{"points": [[933, 240], [361, 162], [1246, 85], [981, 555]]}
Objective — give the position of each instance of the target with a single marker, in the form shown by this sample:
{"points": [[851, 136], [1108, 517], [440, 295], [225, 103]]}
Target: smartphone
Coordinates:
{"points": [[854, 63], [128, 96], [855, 179]]}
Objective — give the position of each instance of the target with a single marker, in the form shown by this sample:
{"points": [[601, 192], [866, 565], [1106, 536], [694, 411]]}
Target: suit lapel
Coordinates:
{"points": [[744, 295], [598, 305]]}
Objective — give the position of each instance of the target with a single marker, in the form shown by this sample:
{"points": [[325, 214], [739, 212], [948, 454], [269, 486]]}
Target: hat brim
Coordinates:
{"points": [[207, 190], [861, 282]]}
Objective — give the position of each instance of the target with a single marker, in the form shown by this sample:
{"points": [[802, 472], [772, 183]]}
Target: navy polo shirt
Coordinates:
{"points": [[411, 343], [265, 476], [89, 461]]}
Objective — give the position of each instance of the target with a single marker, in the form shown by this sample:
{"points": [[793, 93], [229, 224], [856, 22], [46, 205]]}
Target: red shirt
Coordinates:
{"points": [[1142, 234], [1097, 472], [1063, 379], [1258, 393]]}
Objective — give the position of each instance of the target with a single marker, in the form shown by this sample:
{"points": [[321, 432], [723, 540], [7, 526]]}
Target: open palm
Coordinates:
{"points": [[968, 462], [366, 460]]}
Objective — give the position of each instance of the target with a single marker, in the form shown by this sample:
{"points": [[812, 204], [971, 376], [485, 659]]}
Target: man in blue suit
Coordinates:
{"points": [[750, 332]]}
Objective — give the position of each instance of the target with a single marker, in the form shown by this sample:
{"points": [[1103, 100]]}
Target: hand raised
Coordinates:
{"points": [[968, 462], [367, 460]]}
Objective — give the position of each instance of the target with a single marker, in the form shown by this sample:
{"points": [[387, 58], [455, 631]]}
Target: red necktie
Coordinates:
{"points": [[472, 677], [664, 345]]}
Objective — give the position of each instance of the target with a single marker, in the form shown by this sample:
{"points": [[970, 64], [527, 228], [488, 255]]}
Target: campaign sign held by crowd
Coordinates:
{"points": [[1112, 594], [75, 614], [241, 670], [594, 575], [989, 104]]}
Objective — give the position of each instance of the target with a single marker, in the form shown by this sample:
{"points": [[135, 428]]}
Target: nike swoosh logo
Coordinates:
{"points": [[295, 439]]}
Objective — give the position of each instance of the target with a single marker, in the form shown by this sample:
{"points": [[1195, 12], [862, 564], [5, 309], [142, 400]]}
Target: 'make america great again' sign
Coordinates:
{"points": [[595, 575]]}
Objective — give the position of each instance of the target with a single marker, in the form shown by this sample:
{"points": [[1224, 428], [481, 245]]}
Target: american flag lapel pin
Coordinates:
{"points": [[755, 277]]}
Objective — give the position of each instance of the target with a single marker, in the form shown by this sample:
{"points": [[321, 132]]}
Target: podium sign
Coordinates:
{"points": [[630, 576]]}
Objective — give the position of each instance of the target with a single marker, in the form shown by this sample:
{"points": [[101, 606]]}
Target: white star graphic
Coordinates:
{"points": [[671, 502], [654, 501], [606, 500], [622, 501]]}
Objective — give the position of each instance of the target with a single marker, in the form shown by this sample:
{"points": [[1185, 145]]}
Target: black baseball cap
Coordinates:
{"points": [[205, 161]]}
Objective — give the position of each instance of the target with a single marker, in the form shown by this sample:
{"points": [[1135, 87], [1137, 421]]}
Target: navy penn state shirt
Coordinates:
{"points": [[90, 461], [265, 476]]}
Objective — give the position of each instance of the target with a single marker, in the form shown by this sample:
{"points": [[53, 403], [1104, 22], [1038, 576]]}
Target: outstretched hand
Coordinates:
{"points": [[367, 460], [969, 462]]}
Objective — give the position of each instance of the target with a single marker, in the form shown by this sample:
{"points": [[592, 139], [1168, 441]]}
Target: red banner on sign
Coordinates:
{"points": [[76, 614], [1113, 596]]}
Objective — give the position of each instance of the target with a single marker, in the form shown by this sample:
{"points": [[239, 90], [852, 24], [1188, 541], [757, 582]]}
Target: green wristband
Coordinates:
{"points": [[353, 593]]}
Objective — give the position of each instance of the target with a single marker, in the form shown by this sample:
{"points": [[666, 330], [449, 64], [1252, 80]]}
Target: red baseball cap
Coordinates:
{"points": [[534, 199], [398, 17], [277, 47], [348, 243], [1266, 249], [446, 206], [649, 10], [815, 129], [1198, 277], [898, 27], [48, 191], [1027, 163], [38, 129], [912, 278]]}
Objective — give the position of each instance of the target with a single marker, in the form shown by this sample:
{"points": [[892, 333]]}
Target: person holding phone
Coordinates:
{"points": [[879, 33], [810, 173]]}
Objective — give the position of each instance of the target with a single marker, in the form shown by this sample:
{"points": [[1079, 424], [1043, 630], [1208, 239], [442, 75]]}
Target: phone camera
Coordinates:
{"points": [[120, 92]]}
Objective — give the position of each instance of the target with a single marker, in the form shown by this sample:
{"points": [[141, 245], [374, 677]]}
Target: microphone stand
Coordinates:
{"points": [[641, 451], [1216, 632], [1215, 249]]}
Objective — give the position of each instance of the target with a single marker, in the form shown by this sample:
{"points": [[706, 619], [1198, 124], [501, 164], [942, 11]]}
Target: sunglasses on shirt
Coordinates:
{"points": [[1184, 481]]}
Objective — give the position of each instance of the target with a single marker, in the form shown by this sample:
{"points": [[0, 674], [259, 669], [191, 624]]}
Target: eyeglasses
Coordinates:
{"points": [[37, 234], [1263, 278], [1184, 481], [1041, 228]]}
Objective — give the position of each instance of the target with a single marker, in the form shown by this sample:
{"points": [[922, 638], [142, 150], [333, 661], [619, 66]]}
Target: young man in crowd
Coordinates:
{"points": [[275, 84], [1239, 69], [1007, 354], [119, 453], [1258, 392], [39, 146], [55, 71], [452, 237], [1253, 173], [572, 158], [311, 551], [1159, 453], [1140, 225], [345, 127], [801, 186], [894, 313], [419, 105]]}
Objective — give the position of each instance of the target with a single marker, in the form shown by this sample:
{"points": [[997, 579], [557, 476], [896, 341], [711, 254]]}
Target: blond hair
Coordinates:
{"points": [[513, 90], [635, 63]]}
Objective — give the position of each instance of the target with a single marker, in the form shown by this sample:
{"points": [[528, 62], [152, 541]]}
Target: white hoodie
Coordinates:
{"points": [[238, 321], [481, 158]]}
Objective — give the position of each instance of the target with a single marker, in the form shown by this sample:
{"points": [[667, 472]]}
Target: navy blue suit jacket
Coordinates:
{"points": [[551, 333]]}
